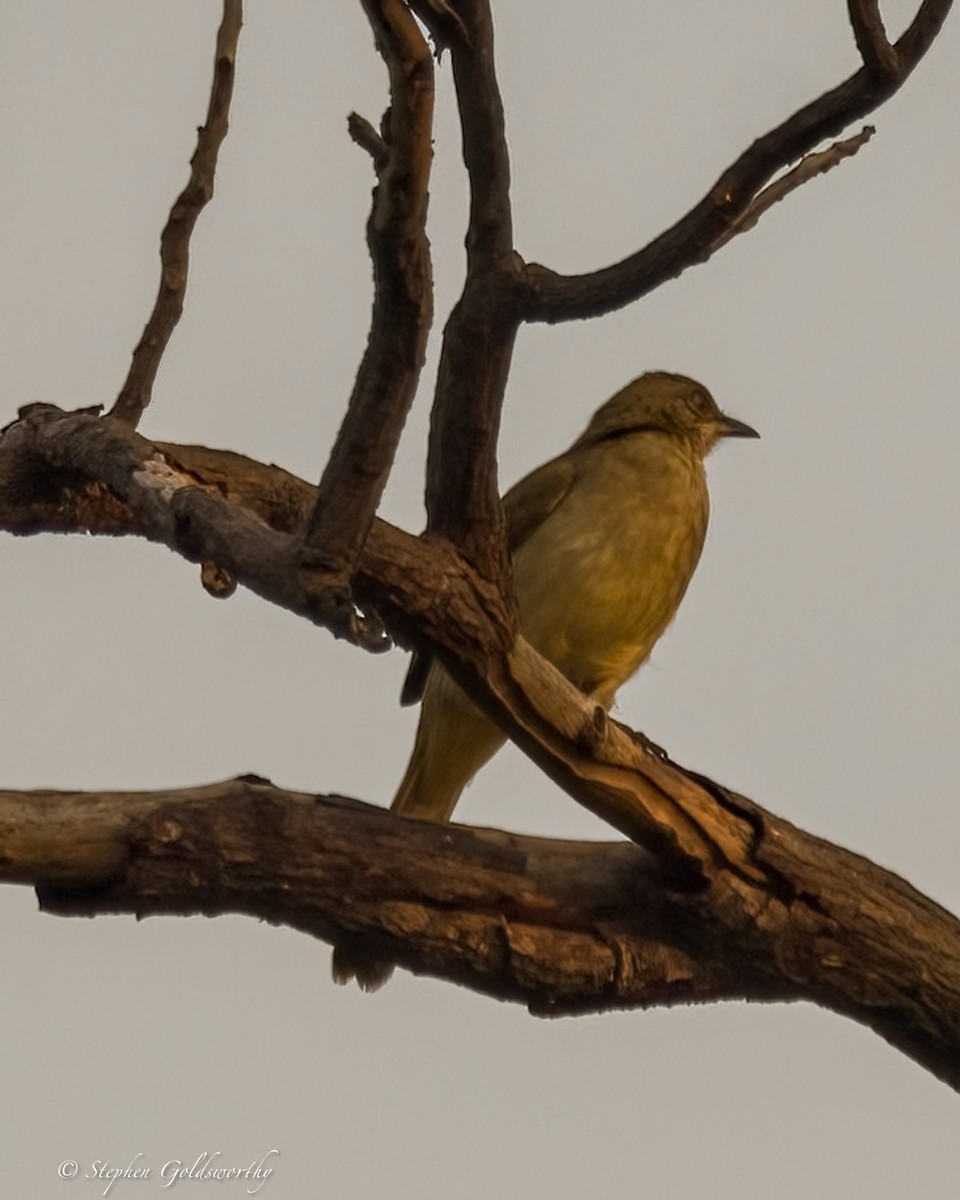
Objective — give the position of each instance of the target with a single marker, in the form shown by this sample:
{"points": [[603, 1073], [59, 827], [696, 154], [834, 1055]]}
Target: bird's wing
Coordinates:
{"points": [[526, 506], [529, 502]]}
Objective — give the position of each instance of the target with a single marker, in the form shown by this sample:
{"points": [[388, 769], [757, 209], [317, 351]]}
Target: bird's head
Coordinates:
{"points": [[659, 402]]}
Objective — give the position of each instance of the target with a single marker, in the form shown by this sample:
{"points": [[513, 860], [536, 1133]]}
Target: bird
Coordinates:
{"points": [[603, 542]]}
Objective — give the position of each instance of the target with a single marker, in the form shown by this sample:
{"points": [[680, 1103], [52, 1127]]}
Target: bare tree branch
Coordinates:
{"points": [[175, 240], [165, 503], [485, 155], [552, 297], [463, 496], [562, 927], [806, 169], [386, 384]]}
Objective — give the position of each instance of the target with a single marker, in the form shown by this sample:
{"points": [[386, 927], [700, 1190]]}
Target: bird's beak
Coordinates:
{"points": [[731, 427]]}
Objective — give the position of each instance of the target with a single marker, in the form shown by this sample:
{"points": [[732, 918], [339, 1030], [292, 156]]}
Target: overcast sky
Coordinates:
{"points": [[814, 664]]}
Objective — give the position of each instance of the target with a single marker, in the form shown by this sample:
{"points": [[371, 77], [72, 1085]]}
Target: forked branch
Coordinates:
{"points": [[809, 167], [553, 297]]}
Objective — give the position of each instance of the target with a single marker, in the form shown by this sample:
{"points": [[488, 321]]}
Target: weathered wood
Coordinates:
{"points": [[562, 927]]}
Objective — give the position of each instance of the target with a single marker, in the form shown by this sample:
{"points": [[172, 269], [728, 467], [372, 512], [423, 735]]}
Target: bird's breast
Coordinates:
{"points": [[601, 578]]}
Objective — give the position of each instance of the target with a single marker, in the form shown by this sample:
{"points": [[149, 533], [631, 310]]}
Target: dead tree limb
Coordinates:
{"points": [[552, 297], [561, 927], [463, 495], [386, 384], [175, 240]]}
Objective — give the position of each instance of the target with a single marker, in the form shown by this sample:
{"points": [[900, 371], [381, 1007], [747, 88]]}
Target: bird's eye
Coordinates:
{"points": [[700, 403]]}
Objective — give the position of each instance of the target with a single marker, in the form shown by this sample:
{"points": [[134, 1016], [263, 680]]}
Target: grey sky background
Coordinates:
{"points": [[814, 664]]}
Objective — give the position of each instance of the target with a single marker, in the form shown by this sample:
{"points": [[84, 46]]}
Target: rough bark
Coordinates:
{"points": [[561, 927], [359, 464]]}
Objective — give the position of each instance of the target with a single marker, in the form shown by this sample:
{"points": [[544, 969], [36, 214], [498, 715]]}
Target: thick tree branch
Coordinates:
{"points": [[175, 239], [562, 927], [552, 297], [76, 464], [386, 384]]}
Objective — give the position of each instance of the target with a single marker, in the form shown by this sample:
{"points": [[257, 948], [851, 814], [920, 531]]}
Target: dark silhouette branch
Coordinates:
{"points": [[386, 384], [561, 927], [463, 496], [175, 240], [485, 155], [550, 296]]}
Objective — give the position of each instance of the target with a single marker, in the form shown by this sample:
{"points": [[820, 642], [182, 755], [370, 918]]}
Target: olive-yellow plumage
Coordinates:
{"points": [[604, 541]]}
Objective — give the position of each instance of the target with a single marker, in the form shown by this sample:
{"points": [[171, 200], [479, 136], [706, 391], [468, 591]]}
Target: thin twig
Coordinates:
{"points": [[807, 168], [367, 138], [175, 240]]}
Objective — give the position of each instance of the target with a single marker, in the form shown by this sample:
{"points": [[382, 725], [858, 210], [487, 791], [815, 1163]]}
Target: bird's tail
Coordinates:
{"points": [[454, 740]]}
